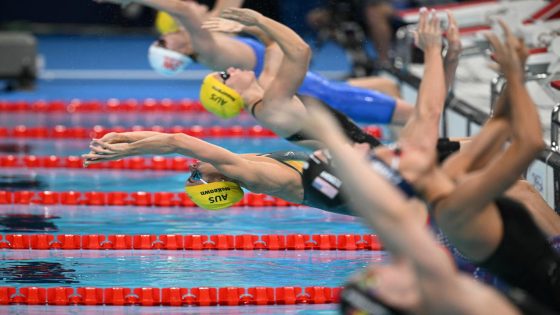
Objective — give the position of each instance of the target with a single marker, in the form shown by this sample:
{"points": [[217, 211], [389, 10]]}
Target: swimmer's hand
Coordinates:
{"points": [[222, 25], [115, 137], [454, 45], [429, 35], [511, 54], [102, 151], [244, 16]]}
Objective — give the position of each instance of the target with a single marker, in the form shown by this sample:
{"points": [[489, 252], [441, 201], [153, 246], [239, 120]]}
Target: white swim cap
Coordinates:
{"points": [[167, 61]]}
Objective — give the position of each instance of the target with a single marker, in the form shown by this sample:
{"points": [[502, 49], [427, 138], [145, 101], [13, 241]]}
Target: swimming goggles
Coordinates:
{"points": [[196, 176], [224, 75]]}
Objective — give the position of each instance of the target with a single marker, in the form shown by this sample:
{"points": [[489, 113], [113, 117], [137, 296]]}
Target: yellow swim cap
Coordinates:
{"points": [[215, 195], [165, 23], [220, 99]]}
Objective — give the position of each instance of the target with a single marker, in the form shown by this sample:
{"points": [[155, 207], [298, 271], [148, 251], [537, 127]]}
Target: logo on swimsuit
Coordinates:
{"points": [[331, 179]]}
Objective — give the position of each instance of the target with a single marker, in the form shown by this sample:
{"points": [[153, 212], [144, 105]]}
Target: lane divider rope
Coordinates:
{"points": [[64, 132], [149, 296], [121, 198], [148, 105], [155, 163], [345, 242]]}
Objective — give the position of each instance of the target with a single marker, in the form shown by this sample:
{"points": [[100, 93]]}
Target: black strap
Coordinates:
{"points": [[252, 107]]}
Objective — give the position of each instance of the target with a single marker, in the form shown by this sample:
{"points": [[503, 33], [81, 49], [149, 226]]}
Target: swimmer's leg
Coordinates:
{"points": [[380, 84], [403, 111]]}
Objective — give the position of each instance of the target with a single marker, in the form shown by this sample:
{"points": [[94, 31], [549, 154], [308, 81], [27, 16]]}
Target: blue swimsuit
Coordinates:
{"points": [[360, 104]]}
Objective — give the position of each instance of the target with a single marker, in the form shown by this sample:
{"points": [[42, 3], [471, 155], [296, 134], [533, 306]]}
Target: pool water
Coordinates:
{"points": [[150, 268]]}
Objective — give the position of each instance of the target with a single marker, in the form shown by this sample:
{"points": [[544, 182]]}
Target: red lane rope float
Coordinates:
{"points": [[175, 296], [156, 163], [346, 242], [120, 198], [63, 132], [107, 106]]}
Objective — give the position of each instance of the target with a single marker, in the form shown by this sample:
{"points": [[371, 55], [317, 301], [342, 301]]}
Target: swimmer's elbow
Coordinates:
{"points": [[301, 51], [532, 141]]}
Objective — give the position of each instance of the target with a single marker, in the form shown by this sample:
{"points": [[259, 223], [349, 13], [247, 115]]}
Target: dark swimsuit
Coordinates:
{"points": [[321, 188], [358, 299], [524, 258]]}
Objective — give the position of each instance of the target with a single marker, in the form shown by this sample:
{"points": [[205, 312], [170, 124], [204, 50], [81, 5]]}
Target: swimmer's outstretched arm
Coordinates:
{"points": [[423, 126], [215, 51], [273, 55], [454, 49], [119, 137], [442, 290], [280, 92], [164, 143], [493, 136], [263, 176], [383, 207], [297, 53], [526, 136]]}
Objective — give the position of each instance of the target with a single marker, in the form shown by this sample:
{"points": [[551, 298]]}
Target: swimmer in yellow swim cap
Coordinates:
{"points": [[220, 193], [218, 98], [216, 181], [367, 100]]}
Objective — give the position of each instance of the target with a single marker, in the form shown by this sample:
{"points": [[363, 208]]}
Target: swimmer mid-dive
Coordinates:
{"points": [[421, 277], [276, 89], [174, 51], [216, 180], [466, 194], [294, 176]]}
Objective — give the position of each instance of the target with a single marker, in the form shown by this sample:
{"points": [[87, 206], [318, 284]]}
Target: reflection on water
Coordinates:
{"points": [[21, 222], [21, 182], [15, 148], [36, 272]]}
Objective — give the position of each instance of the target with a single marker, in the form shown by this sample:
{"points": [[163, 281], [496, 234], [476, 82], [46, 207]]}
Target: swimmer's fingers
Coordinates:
{"points": [[99, 150], [244, 16], [434, 22], [507, 31], [92, 158], [423, 19], [514, 43], [103, 147], [451, 19], [429, 31], [495, 44], [453, 36], [505, 55], [222, 25]]}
